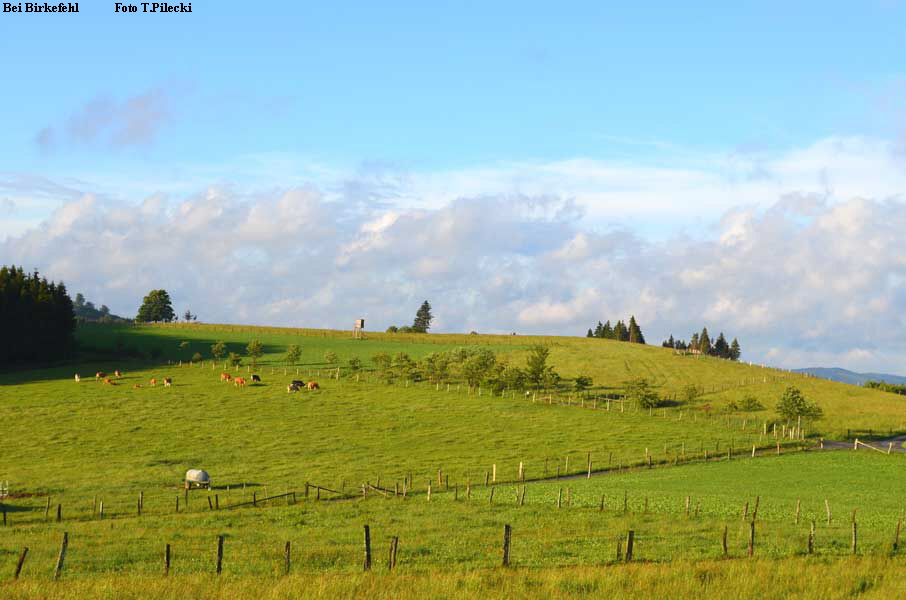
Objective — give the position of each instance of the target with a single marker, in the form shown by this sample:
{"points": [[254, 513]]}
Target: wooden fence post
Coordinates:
{"points": [[752, 538], [62, 556], [491, 495], [811, 538], [59, 513], [167, 560], [21, 562], [367, 564], [854, 537], [47, 508], [630, 538], [896, 538], [827, 508], [394, 543], [723, 541], [219, 554], [507, 532], [139, 505], [798, 506], [559, 497], [286, 556]]}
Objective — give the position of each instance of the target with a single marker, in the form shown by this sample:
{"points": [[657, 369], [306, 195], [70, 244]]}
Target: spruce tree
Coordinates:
{"points": [[721, 348], [734, 350], [635, 332], [423, 318], [620, 333], [599, 330], [607, 331], [704, 342], [693, 342], [589, 334]]}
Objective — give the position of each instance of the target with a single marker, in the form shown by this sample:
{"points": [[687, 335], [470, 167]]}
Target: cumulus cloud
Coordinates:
{"points": [[108, 122], [803, 281]]}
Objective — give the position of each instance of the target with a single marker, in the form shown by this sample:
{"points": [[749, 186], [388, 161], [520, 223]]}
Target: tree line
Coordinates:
{"points": [[36, 317], [886, 387], [620, 331], [86, 312], [701, 342]]}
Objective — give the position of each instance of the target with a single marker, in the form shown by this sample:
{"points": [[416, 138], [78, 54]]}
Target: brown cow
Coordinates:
{"points": [[107, 381], [238, 381], [153, 382], [99, 375], [168, 381], [117, 374], [225, 377], [312, 385]]}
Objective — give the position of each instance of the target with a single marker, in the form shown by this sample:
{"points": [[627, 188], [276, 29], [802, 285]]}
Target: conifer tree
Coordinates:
{"points": [[589, 334], [693, 342], [607, 331], [721, 348], [599, 330], [734, 350], [704, 342], [423, 318], [635, 332]]}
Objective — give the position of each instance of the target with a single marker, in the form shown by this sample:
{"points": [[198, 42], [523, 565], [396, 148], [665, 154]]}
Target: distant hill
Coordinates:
{"points": [[85, 312], [851, 377]]}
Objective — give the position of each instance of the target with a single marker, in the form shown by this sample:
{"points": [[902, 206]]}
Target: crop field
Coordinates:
{"points": [[490, 460]]}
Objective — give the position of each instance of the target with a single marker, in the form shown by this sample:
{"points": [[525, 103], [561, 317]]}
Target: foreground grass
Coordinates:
{"points": [[807, 578]]}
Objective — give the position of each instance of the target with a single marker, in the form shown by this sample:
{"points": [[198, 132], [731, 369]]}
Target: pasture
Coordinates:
{"points": [[75, 445]]}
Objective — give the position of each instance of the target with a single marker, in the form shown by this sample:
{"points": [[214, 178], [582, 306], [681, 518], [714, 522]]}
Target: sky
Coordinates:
{"points": [[529, 167]]}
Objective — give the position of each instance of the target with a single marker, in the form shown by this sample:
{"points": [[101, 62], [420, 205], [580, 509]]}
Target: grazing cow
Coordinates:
{"points": [[238, 381], [78, 378], [107, 381], [256, 378], [293, 388], [312, 385], [168, 381], [99, 375], [117, 374], [225, 377], [153, 382], [137, 386], [297, 383]]}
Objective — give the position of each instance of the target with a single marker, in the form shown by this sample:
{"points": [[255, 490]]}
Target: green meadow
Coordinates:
{"points": [[77, 445]]}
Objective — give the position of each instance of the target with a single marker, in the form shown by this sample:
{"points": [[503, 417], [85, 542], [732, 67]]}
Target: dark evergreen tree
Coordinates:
{"points": [[635, 332], [423, 318], [669, 342], [734, 350], [704, 342], [607, 331], [620, 332], [156, 307], [693, 342], [589, 334], [721, 347], [599, 330], [36, 317]]}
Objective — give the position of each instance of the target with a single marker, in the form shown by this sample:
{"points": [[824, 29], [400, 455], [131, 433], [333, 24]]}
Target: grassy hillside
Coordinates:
{"points": [[79, 444]]}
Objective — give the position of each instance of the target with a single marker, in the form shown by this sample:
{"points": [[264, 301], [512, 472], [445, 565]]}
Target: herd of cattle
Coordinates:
{"points": [[295, 386], [102, 376]]}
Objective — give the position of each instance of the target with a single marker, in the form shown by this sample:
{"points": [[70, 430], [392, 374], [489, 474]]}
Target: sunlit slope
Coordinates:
{"points": [[609, 363]]}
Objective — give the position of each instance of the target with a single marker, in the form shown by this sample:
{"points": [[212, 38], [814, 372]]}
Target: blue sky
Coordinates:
{"points": [[674, 125]]}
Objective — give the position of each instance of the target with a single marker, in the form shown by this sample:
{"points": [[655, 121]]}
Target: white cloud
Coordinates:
{"points": [[806, 265]]}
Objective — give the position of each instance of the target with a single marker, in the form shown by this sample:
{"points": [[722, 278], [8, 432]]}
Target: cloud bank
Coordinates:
{"points": [[805, 280]]}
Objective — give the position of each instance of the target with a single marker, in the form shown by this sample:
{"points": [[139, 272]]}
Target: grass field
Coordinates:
{"points": [[76, 445]]}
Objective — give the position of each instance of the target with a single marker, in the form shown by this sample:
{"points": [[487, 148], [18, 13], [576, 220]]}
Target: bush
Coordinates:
{"points": [[750, 404], [196, 357], [793, 404], [393, 329], [638, 390], [691, 392]]}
